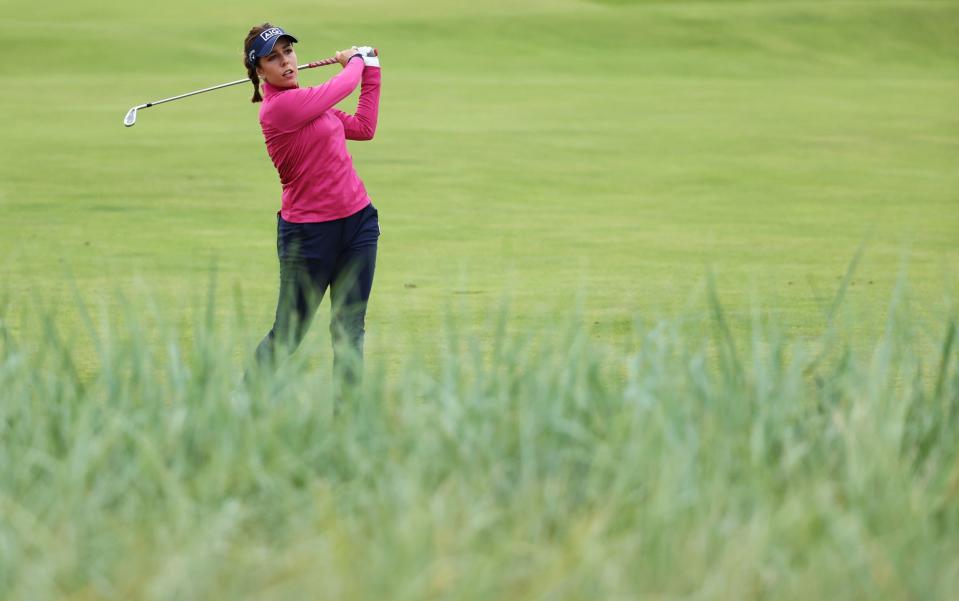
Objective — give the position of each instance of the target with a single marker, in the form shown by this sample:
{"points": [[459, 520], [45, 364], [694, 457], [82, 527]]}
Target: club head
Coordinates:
{"points": [[131, 117]]}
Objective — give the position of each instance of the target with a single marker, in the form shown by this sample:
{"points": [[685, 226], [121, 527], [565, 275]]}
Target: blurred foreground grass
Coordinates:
{"points": [[697, 464]]}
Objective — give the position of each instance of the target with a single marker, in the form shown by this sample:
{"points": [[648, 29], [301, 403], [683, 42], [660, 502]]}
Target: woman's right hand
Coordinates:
{"points": [[344, 56]]}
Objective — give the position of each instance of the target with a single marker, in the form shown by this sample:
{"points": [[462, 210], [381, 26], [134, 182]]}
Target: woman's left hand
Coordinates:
{"points": [[370, 56]]}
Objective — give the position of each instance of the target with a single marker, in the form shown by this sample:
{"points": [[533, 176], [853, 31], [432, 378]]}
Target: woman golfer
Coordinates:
{"points": [[327, 228]]}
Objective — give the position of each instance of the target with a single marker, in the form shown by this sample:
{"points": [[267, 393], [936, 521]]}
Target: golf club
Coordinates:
{"points": [[131, 117]]}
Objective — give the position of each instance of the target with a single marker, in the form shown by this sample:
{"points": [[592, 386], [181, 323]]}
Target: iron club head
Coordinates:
{"points": [[131, 117]]}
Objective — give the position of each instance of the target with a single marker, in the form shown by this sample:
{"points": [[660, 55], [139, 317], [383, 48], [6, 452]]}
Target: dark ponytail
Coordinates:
{"points": [[251, 72], [251, 65]]}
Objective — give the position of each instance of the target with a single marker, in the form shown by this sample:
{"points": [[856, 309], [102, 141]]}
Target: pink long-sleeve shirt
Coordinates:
{"points": [[306, 138]]}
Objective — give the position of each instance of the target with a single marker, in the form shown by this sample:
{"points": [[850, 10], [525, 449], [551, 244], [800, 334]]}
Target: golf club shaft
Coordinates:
{"points": [[131, 117], [326, 61]]}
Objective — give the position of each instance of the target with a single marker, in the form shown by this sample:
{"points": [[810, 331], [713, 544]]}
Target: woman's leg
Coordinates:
{"points": [[307, 254], [350, 289], [302, 284], [349, 297]]}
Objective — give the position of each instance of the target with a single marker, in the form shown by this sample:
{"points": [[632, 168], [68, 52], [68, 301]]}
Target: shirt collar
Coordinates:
{"points": [[271, 90]]}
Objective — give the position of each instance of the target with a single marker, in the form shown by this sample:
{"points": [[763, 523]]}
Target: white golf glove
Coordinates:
{"points": [[369, 56]]}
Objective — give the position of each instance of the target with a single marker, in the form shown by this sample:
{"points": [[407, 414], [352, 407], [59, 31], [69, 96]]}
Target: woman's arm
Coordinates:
{"points": [[294, 108], [362, 125]]}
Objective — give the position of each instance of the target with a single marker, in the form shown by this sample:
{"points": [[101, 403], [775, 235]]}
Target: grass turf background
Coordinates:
{"points": [[610, 152], [541, 152]]}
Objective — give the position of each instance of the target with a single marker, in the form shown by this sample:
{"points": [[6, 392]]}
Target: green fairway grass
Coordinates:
{"points": [[654, 214], [540, 151]]}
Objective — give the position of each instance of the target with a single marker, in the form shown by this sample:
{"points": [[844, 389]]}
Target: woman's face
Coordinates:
{"points": [[278, 68]]}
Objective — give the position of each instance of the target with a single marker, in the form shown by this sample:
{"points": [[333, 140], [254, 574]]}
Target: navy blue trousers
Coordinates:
{"points": [[339, 255]]}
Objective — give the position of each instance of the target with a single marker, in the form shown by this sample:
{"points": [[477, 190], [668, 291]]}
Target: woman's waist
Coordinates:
{"points": [[323, 208]]}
